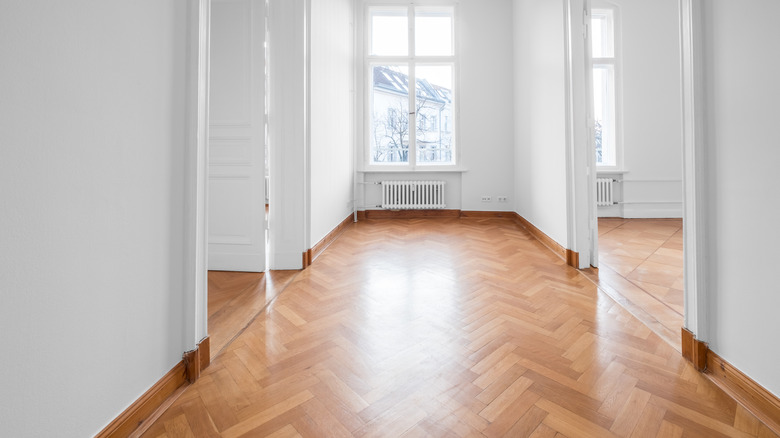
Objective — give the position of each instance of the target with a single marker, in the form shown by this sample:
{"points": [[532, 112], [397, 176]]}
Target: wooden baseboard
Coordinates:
{"points": [[410, 214], [572, 258], [752, 396], [151, 400], [317, 249], [306, 259], [694, 350], [145, 406], [204, 348], [488, 214]]}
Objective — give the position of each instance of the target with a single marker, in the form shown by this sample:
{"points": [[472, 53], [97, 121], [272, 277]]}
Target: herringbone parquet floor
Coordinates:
{"points": [[449, 327], [641, 265]]}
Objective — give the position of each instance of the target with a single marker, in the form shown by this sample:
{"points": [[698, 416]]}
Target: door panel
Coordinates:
{"points": [[236, 142]]}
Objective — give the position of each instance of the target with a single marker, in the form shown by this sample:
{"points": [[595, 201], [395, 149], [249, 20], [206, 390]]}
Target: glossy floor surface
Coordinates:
{"points": [[449, 327], [235, 298], [641, 265]]}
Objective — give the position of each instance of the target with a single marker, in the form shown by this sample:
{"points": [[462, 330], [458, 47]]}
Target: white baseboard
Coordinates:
{"points": [[652, 211]]}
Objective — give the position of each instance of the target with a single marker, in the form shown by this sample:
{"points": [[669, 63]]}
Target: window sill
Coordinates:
{"points": [[610, 172], [431, 169]]}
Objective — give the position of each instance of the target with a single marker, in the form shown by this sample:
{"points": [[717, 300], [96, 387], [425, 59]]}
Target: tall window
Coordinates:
{"points": [[605, 87], [411, 64]]}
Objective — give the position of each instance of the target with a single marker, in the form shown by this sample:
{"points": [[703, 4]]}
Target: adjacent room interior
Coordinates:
{"points": [[638, 130]]}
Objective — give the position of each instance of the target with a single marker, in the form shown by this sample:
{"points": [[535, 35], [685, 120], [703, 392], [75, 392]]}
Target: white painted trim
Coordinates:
{"points": [[196, 172], [580, 152], [307, 128], [432, 169], [696, 315], [288, 131]]}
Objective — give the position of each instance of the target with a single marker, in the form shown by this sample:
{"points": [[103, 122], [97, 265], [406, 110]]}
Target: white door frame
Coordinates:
{"points": [[196, 173], [696, 313], [289, 221], [694, 244], [580, 148]]}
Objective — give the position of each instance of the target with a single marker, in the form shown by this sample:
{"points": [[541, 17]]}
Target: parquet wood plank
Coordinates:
{"points": [[626, 420], [641, 261], [519, 418], [449, 327], [267, 415]]}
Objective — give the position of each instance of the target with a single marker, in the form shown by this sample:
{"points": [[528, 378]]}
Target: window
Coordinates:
{"points": [[605, 89], [411, 64]]}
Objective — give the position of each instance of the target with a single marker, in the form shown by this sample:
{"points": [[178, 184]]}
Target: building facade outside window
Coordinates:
{"points": [[411, 67]]}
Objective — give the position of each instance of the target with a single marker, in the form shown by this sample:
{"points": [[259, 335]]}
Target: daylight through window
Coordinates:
{"points": [[605, 87], [411, 65]]}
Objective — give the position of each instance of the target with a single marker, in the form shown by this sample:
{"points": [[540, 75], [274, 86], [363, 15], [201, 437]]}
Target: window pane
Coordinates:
{"points": [[435, 143], [604, 112], [433, 32], [389, 32], [389, 114], [603, 33]]}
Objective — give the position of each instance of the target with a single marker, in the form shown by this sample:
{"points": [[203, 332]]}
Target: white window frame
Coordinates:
{"points": [[369, 61], [616, 62]]}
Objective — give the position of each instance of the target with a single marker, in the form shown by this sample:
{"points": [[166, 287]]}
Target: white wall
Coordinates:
{"points": [[332, 73], [484, 32], [92, 145], [287, 121], [742, 95], [540, 116], [486, 104], [652, 121]]}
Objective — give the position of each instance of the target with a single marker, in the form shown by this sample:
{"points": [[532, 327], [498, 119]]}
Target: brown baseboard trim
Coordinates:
{"points": [[306, 257], [197, 360], [410, 214], [752, 396], [146, 405], [204, 348], [191, 360], [488, 214], [572, 258], [694, 350], [329, 238]]}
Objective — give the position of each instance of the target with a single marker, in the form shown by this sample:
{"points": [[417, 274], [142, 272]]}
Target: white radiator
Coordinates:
{"points": [[412, 195], [604, 191]]}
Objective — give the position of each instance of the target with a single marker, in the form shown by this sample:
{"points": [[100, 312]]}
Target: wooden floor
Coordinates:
{"points": [[235, 298], [641, 265], [449, 327]]}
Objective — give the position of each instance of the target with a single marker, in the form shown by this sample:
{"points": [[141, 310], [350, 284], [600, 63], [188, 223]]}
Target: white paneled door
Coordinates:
{"points": [[236, 203]]}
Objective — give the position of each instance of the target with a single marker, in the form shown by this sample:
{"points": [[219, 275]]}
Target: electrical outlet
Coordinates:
{"points": [[486, 198], [503, 199]]}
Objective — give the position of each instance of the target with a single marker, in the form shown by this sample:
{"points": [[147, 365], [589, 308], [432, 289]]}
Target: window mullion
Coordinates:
{"points": [[412, 93]]}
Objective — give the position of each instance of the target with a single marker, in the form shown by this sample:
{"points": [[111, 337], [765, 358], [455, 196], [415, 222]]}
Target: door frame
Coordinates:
{"points": [[580, 209], [196, 176], [694, 244], [289, 221]]}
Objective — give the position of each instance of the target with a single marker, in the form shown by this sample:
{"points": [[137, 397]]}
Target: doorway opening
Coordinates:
{"points": [[240, 283], [634, 68]]}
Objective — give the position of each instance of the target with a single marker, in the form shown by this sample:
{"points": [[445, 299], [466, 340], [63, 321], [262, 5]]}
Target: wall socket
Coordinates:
{"points": [[503, 199], [486, 198]]}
